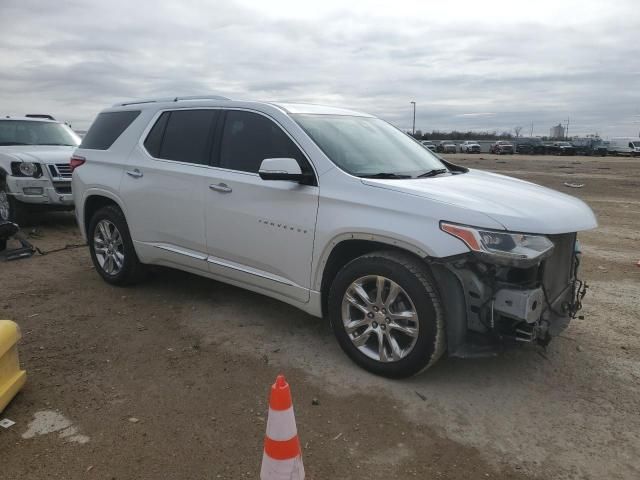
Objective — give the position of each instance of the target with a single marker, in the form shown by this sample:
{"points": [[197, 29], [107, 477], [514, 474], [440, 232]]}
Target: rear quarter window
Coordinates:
{"points": [[106, 129], [183, 136]]}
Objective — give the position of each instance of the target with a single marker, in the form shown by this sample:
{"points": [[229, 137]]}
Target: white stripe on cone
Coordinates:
{"points": [[281, 469], [281, 424]]}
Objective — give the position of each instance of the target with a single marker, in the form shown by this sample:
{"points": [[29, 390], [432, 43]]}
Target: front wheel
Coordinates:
{"points": [[386, 313], [11, 210]]}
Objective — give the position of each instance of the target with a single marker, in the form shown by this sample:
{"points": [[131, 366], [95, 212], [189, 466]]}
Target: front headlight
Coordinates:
{"points": [[26, 169], [502, 246]]}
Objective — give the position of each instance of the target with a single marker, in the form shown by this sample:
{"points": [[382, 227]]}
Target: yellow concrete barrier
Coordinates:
{"points": [[11, 377]]}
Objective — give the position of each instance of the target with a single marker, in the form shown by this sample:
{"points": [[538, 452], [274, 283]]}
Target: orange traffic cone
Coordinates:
{"points": [[282, 459]]}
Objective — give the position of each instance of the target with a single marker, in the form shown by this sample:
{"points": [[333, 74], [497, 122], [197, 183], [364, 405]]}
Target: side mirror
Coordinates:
{"points": [[280, 169]]}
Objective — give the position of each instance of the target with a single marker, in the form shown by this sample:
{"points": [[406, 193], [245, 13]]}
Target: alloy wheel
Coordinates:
{"points": [[108, 247], [380, 318]]}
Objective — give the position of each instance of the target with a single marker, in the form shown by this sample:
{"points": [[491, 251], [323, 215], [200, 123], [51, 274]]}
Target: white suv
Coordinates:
{"points": [[470, 146], [34, 166], [338, 213]]}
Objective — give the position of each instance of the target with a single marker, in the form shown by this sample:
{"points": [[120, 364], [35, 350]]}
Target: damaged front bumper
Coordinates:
{"points": [[490, 305]]}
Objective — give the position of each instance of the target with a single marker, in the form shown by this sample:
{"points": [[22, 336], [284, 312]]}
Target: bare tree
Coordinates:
{"points": [[517, 131]]}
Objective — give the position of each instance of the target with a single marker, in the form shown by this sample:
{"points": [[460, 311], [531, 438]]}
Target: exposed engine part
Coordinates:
{"points": [[526, 333], [507, 304], [524, 305], [579, 287], [492, 318]]}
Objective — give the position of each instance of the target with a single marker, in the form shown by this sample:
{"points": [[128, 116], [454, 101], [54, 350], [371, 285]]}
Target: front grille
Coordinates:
{"points": [[558, 267], [60, 170]]}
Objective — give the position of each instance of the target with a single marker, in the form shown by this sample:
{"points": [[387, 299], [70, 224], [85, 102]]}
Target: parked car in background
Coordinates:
{"points": [[34, 166], [624, 146], [502, 147], [470, 146], [446, 147], [529, 146], [337, 213], [428, 144], [561, 148], [590, 146]]}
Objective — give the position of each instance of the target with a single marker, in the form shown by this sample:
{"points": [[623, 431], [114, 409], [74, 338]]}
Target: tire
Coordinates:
{"points": [[418, 293], [17, 211], [130, 270]]}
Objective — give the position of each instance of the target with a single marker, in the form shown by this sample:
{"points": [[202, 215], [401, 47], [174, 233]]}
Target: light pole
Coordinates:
{"points": [[414, 118]]}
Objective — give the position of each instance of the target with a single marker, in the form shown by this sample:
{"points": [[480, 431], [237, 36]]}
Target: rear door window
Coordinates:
{"points": [[182, 136], [106, 129], [248, 138]]}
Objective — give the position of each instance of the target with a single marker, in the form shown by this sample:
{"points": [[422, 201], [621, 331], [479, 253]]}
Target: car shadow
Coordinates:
{"points": [[277, 319], [224, 297]]}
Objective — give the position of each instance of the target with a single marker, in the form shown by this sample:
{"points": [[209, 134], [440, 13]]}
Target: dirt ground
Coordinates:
{"points": [[169, 379]]}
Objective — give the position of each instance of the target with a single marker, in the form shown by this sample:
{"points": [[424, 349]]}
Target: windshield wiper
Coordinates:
{"points": [[58, 144], [433, 173], [6, 144], [384, 175]]}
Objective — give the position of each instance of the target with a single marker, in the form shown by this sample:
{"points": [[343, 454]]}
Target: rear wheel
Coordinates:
{"points": [[386, 314], [111, 247]]}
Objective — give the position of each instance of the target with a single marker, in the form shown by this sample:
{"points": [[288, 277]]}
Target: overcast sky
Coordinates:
{"points": [[489, 65]]}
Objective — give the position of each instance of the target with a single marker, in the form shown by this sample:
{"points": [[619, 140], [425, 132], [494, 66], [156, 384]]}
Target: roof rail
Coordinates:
{"points": [[171, 99], [39, 115]]}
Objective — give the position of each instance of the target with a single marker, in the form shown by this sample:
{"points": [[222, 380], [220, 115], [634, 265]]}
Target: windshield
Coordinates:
{"points": [[366, 146], [26, 132]]}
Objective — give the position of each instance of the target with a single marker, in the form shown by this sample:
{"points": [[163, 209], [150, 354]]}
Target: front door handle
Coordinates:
{"points": [[134, 173], [221, 187]]}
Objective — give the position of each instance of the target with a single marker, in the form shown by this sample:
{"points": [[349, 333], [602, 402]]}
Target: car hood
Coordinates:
{"points": [[517, 205], [39, 153]]}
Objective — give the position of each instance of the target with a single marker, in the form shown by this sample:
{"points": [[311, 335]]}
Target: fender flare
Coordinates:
{"points": [[99, 192], [373, 237]]}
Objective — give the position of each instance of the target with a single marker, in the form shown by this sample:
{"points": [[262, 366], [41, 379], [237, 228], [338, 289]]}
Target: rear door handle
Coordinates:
{"points": [[221, 187], [134, 173]]}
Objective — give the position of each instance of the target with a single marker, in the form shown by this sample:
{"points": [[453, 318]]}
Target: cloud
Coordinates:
{"points": [[456, 60]]}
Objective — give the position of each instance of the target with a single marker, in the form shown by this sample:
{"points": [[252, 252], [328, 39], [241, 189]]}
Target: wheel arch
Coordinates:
{"points": [[349, 246], [93, 202]]}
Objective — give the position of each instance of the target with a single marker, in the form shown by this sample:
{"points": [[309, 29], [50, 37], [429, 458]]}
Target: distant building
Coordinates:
{"points": [[557, 131]]}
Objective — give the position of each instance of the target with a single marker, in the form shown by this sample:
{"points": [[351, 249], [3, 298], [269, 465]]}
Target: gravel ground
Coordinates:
{"points": [[169, 379]]}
